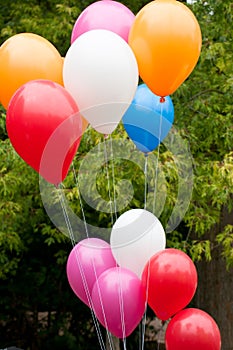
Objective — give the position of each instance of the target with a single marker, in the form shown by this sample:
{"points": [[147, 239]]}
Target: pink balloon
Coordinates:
{"points": [[119, 301], [104, 14], [87, 260], [192, 329]]}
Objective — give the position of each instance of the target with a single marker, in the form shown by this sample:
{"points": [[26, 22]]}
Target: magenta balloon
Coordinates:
{"points": [[104, 14], [119, 301], [87, 260]]}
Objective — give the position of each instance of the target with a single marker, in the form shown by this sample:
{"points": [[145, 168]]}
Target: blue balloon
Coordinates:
{"points": [[147, 121]]}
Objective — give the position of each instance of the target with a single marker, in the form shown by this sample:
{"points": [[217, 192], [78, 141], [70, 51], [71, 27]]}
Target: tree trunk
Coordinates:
{"points": [[215, 289]]}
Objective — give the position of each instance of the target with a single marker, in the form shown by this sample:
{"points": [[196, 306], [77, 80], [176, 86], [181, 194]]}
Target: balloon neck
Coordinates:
{"points": [[146, 154], [105, 136], [162, 99]]}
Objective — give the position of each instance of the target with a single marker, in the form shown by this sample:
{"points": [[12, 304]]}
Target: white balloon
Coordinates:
{"points": [[100, 71], [135, 237]]}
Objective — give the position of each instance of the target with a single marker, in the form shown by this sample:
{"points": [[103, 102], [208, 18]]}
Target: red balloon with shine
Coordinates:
{"points": [[170, 277], [45, 128]]}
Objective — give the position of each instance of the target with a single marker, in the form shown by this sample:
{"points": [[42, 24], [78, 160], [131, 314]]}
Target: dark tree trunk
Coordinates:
{"points": [[215, 289]]}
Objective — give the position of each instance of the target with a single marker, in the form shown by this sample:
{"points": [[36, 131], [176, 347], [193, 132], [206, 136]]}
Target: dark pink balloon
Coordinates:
{"points": [[104, 14], [119, 301], [87, 260]]}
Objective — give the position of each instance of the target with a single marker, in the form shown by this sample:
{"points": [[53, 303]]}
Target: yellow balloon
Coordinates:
{"points": [[166, 40], [25, 57]]}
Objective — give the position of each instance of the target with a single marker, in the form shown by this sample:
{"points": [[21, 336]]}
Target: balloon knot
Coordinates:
{"points": [[105, 136], [162, 99]]}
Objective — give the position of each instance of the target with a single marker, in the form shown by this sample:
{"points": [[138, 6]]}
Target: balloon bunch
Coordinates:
{"points": [[38, 105], [117, 280], [107, 279], [98, 78], [49, 102]]}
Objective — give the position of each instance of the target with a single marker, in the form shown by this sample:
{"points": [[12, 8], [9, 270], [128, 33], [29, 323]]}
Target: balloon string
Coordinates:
{"points": [[140, 336], [145, 313], [155, 193], [120, 289], [80, 199], [96, 277], [145, 175], [157, 159], [108, 180], [113, 178], [84, 281], [121, 303], [102, 309]]}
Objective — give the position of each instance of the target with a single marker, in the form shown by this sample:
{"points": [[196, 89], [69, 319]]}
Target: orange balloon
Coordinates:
{"points": [[166, 40], [25, 57], [84, 124]]}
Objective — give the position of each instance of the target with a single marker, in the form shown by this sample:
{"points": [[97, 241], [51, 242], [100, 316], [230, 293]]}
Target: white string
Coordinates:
{"points": [[96, 277], [113, 178], [80, 199], [158, 346], [108, 180], [121, 302], [157, 159], [140, 335], [102, 308], [145, 313], [155, 192], [145, 175], [120, 289], [84, 281], [143, 323]]}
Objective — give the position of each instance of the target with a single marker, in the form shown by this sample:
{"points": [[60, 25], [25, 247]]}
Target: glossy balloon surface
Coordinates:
{"points": [[171, 279], [25, 57], [166, 39], [192, 329]]}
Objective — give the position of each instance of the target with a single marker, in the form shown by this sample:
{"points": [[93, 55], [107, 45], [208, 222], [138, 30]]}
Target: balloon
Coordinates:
{"points": [[105, 14], [36, 111], [148, 120], [136, 235], [171, 279], [84, 124], [166, 40], [87, 260], [119, 301], [25, 57], [192, 329], [100, 72]]}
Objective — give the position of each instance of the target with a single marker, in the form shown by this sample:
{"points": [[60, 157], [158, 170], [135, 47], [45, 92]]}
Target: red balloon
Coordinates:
{"points": [[192, 329], [171, 279], [44, 127]]}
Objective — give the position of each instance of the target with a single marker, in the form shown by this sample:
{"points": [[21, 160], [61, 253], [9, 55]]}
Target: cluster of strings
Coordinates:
{"points": [[113, 214]]}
